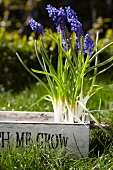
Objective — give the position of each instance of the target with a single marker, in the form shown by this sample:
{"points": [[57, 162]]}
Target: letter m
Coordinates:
{"points": [[20, 139]]}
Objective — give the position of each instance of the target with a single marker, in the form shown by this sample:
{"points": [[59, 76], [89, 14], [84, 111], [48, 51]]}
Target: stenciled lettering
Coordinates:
{"points": [[52, 140], [39, 138], [23, 138], [63, 140], [4, 136], [28, 138]]}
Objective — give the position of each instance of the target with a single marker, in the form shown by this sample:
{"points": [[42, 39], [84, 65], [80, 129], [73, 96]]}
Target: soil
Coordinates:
{"points": [[104, 125]]}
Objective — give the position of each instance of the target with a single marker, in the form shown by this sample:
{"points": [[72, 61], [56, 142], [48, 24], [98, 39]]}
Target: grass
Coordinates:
{"points": [[34, 158], [23, 100], [101, 143]]}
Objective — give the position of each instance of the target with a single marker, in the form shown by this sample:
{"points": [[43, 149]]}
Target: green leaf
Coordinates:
{"points": [[93, 118], [44, 85], [57, 80], [100, 64], [98, 52], [38, 101]]}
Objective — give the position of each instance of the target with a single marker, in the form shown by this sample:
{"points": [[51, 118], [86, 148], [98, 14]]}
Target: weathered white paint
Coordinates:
{"points": [[75, 137], [26, 116]]}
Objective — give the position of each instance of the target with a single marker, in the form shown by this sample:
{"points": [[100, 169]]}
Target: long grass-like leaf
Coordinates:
{"points": [[48, 78], [98, 52], [51, 36], [57, 80], [37, 55], [95, 69], [85, 65], [38, 101], [102, 71], [100, 88], [92, 117], [100, 64], [44, 85], [60, 65], [46, 62]]}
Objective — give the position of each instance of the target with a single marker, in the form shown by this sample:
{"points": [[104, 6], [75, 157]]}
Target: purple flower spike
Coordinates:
{"points": [[75, 25], [88, 45], [36, 27], [60, 19], [71, 14], [58, 16]]}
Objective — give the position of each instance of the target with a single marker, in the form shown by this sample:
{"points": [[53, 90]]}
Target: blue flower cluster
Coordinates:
{"points": [[36, 27], [65, 19], [58, 16], [88, 45], [75, 25]]}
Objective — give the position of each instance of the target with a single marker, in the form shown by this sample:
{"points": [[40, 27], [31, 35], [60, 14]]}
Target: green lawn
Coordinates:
{"points": [[34, 158], [101, 149]]}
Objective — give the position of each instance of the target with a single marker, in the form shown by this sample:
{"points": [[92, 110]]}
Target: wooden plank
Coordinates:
{"points": [[74, 137], [26, 116]]}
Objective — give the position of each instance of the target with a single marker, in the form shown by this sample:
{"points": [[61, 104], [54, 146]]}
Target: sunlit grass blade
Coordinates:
{"points": [[96, 68], [92, 117], [100, 64], [38, 57], [98, 52], [44, 85], [58, 81], [38, 101], [59, 65], [102, 71], [100, 88]]}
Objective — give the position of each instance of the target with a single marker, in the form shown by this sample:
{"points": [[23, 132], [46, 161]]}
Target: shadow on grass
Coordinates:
{"points": [[100, 142]]}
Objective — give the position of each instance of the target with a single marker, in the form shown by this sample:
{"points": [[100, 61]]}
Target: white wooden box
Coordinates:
{"points": [[24, 127]]}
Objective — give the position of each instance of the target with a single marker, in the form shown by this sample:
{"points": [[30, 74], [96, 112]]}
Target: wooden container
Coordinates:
{"points": [[23, 128]]}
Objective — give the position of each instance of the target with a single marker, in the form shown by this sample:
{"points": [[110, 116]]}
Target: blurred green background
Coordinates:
{"points": [[16, 35]]}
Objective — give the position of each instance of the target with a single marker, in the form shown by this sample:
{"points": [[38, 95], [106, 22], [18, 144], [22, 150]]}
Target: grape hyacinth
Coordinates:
{"points": [[88, 45], [58, 16], [75, 25], [60, 19], [66, 79], [36, 27]]}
